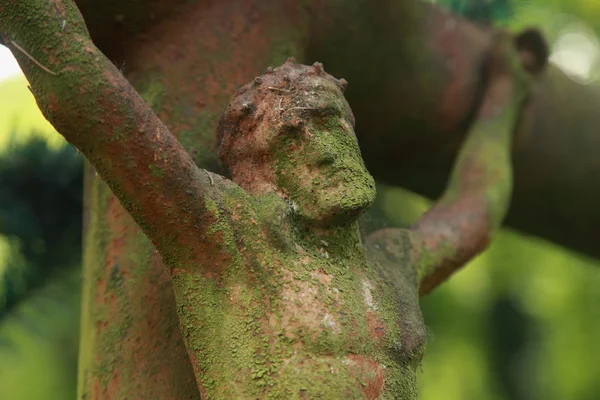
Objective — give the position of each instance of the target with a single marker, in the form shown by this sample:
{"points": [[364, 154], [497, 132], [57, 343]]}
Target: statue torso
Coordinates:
{"points": [[274, 301]]}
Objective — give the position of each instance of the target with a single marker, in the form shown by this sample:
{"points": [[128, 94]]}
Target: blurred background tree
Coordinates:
{"points": [[520, 322]]}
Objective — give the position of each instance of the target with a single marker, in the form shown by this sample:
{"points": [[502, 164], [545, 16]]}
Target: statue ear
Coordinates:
{"points": [[533, 49]]}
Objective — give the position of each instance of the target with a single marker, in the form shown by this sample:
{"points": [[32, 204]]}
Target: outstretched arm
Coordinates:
{"points": [[95, 108], [476, 200]]}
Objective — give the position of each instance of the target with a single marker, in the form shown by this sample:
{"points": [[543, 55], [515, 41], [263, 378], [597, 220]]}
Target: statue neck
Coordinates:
{"points": [[342, 241]]}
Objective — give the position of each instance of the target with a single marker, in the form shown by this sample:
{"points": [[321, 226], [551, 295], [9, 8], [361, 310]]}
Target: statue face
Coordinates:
{"points": [[291, 131], [317, 161]]}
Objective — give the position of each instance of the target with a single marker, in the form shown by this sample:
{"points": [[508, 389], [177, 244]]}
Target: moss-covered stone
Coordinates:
{"points": [[289, 303]]}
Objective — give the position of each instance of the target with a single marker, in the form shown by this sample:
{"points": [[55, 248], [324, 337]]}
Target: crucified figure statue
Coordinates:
{"points": [[290, 301], [278, 295]]}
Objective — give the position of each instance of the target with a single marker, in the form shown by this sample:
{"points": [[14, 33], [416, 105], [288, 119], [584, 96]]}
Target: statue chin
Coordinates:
{"points": [[337, 210]]}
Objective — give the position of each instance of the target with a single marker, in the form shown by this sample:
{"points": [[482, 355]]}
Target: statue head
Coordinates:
{"points": [[291, 132]]}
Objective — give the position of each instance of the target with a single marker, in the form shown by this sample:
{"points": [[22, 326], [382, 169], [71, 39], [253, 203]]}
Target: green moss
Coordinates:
{"points": [[323, 189], [486, 151], [156, 170], [238, 333]]}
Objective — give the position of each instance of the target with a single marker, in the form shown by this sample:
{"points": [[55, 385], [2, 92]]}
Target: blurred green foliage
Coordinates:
{"points": [[40, 253], [486, 11], [40, 214], [39, 341]]}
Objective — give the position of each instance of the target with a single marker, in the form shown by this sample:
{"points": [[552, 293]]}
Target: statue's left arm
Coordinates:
{"points": [[472, 208], [476, 200]]}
